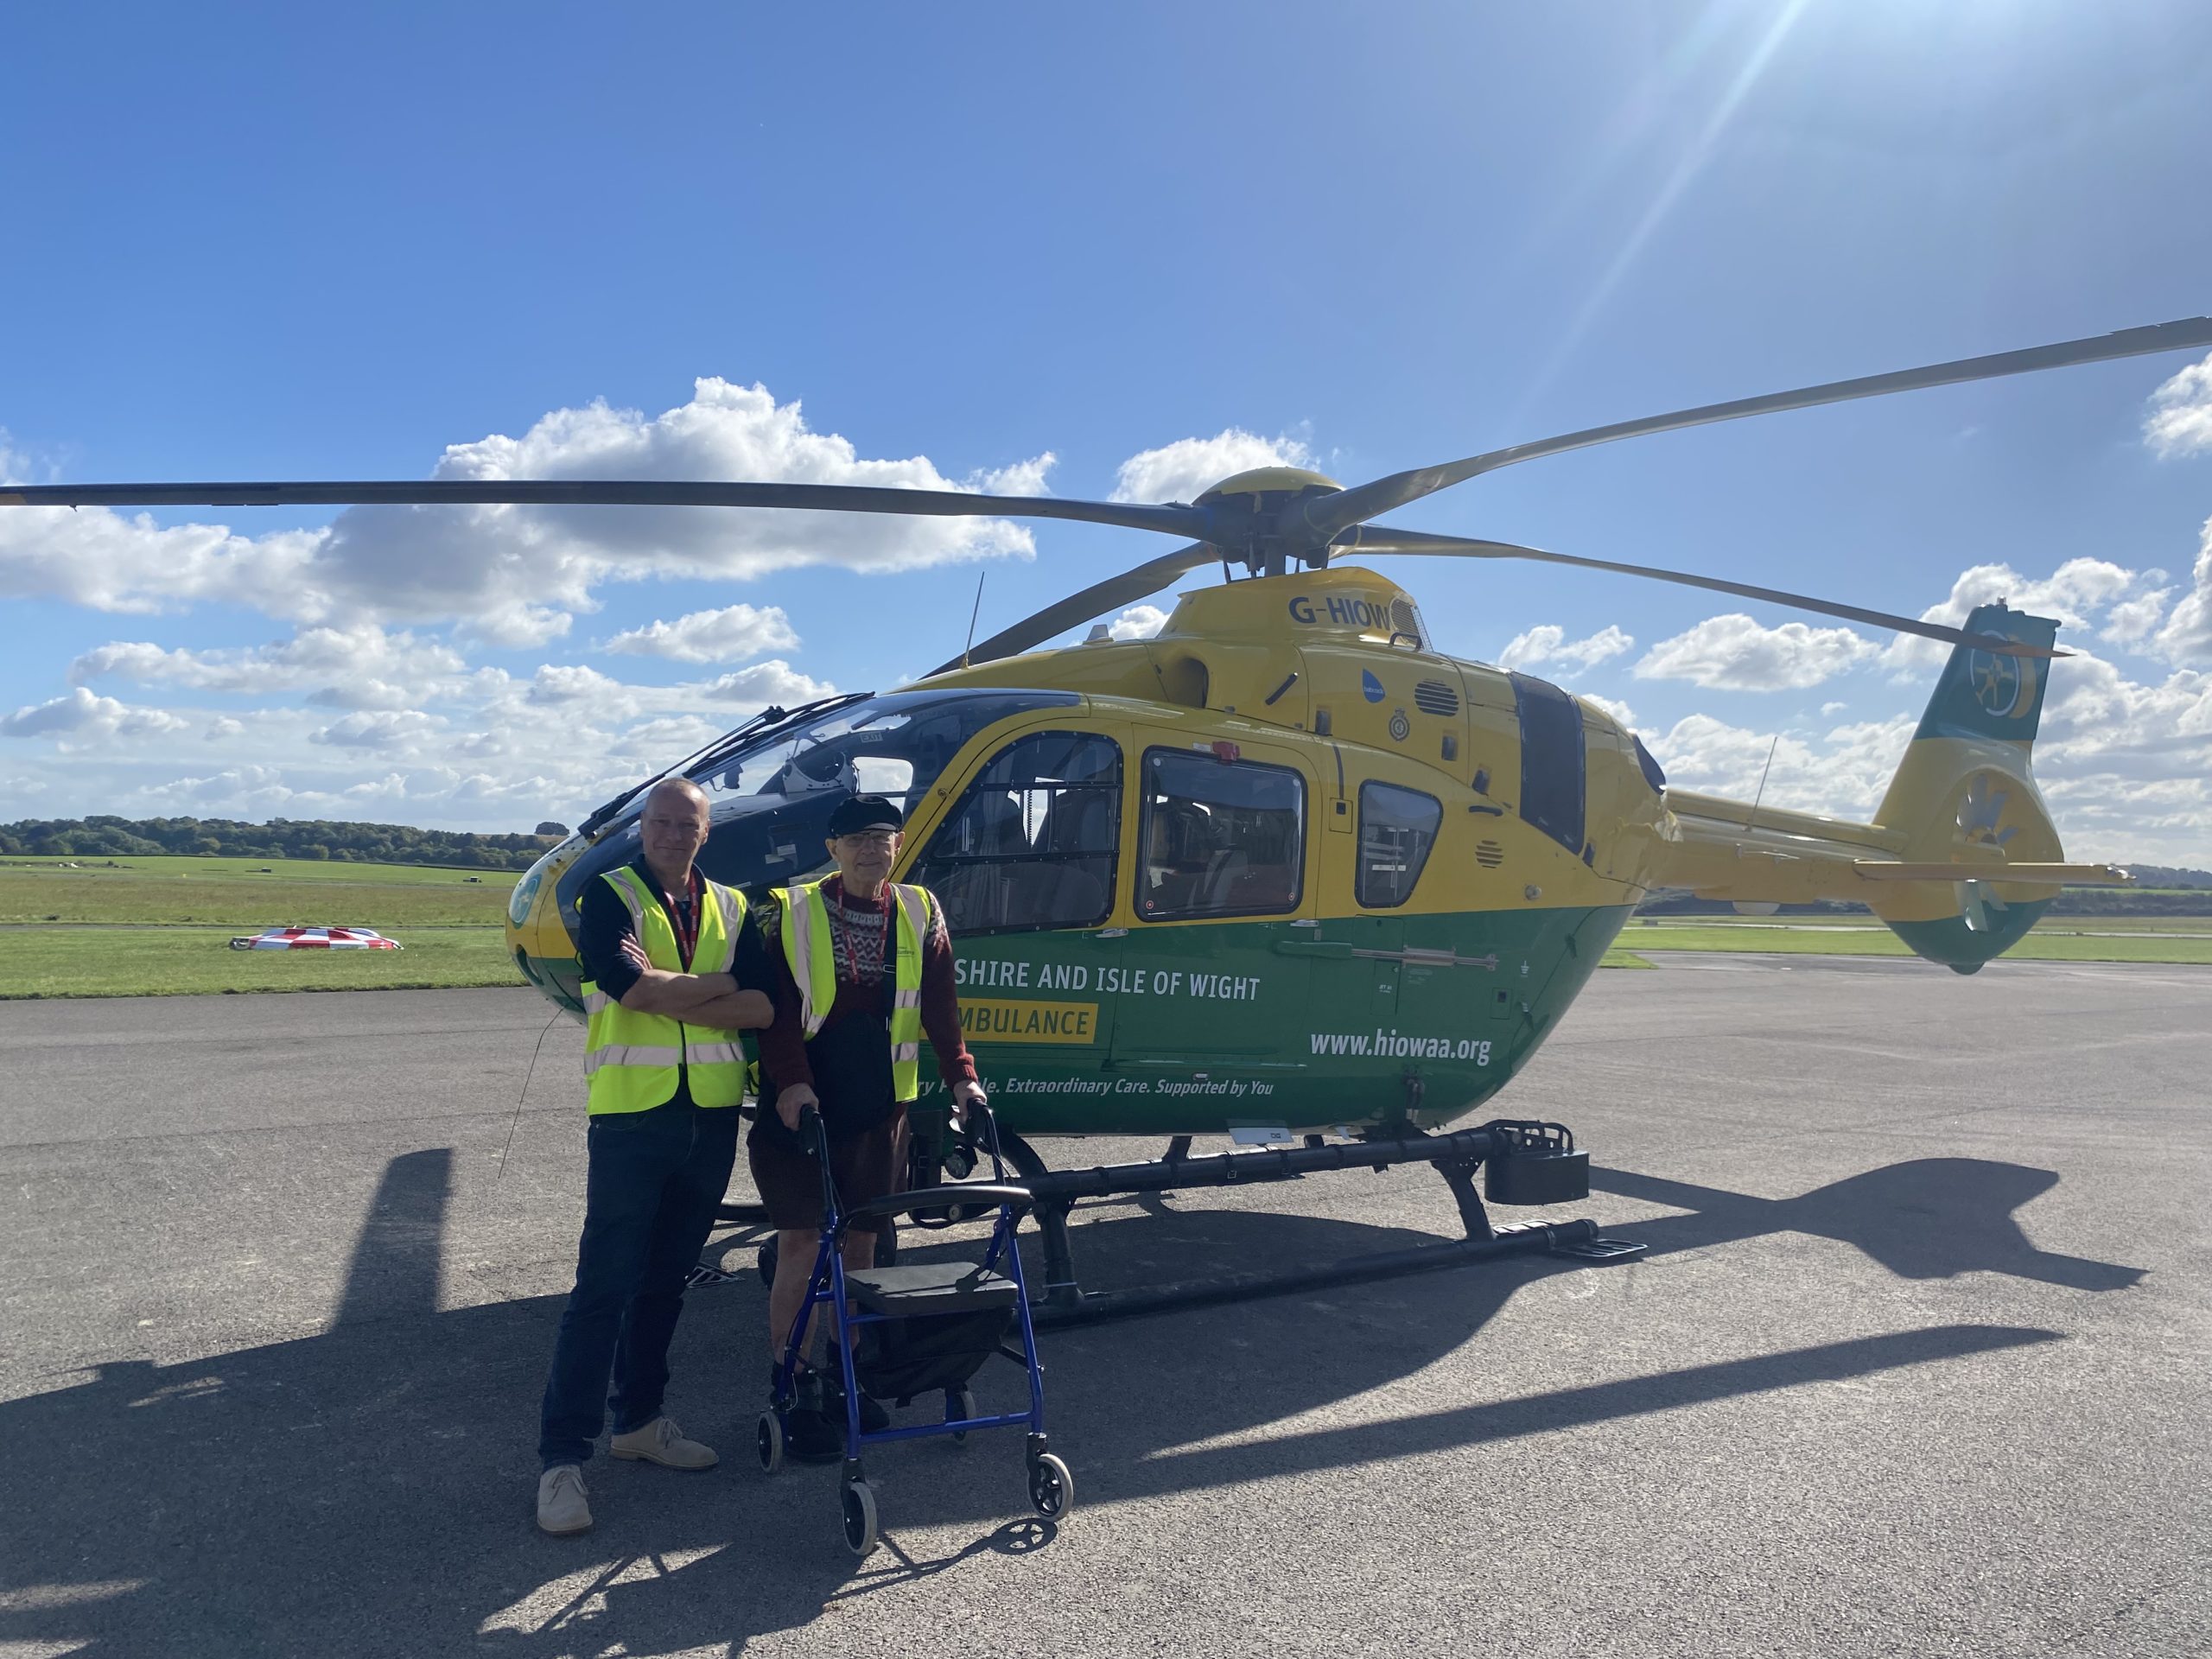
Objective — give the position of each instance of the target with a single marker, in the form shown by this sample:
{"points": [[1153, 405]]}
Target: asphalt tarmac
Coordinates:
{"points": [[1917, 1363]]}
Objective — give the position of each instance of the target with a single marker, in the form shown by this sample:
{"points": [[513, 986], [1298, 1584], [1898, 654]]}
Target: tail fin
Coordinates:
{"points": [[1983, 695], [1966, 781]]}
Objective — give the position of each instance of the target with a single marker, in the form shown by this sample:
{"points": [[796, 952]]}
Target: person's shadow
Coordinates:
{"points": [[368, 1490]]}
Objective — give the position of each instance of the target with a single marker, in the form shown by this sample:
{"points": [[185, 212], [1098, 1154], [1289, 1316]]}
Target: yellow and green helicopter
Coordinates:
{"points": [[1285, 869]]}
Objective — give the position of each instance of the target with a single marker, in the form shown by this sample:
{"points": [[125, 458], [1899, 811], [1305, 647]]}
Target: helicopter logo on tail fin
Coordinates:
{"points": [[2005, 686]]}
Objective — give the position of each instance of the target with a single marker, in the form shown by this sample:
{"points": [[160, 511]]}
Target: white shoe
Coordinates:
{"points": [[561, 1505], [661, 1442]]}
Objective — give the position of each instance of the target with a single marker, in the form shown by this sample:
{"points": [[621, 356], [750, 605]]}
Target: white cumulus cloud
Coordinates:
{"points": [[517, 576], [2180, 421], [1183, 470], [81, 717], [2074, 594], [1841, 772], [360, 667], [384, 729], [729, 635], [755, 687], [2186, 635], [1733, 653], [1138, 622], [1547, 642], [1022, 478]]}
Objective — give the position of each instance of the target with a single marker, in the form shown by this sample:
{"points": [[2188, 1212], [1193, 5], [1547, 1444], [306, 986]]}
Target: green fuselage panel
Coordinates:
{"points": [[1269, 1026]]}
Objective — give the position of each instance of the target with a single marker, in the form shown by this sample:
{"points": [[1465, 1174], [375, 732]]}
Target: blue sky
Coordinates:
{"points": [[292, 242]]}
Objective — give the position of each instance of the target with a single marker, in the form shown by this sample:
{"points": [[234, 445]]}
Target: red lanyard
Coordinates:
{"points": [[685, 918]]}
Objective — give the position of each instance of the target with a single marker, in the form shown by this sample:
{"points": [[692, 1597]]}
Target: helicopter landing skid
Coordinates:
{"points": [[1527, 1163]]}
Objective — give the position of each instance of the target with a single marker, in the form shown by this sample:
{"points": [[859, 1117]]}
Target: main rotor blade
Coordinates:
{"points": [[1079, 608], [1171, 519], [1380, 538], [1328, 514]]}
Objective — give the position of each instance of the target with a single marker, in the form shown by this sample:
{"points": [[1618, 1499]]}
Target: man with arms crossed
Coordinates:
{"points": [[862, 969], [673, 970]]}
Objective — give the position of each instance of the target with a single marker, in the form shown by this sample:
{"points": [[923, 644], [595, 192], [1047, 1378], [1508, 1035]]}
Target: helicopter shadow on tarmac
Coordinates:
{"points": [[367, 1490], [1929, 1218]]}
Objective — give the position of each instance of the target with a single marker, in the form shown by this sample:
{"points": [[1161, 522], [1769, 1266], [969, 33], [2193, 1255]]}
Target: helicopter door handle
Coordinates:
{"points": [[1111, 933]]}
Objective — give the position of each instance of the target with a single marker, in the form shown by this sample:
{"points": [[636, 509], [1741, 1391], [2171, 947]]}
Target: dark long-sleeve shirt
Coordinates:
{"points": [[862, 933]]}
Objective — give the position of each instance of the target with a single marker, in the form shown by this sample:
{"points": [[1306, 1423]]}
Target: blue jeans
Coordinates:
{"points": [[655, 1179]]}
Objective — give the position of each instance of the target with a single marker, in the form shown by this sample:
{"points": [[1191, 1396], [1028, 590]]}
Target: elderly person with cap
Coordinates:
{"points": [[862, 970], [673, 970]]}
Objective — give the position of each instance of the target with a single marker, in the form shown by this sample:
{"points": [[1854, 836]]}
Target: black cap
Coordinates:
{"points": [[864, 812]]}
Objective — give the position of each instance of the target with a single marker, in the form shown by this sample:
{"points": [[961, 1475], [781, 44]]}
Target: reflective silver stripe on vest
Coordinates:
{"points": [[733, 908], [598, 1002], [800, 934], [916, 903], [631, 1054], [905, 1052], [717, 1053], [906, 999], [631, 900]]}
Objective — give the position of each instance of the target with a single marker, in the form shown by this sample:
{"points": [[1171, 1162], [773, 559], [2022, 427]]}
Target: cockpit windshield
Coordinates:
{"points": [[771, 799]]}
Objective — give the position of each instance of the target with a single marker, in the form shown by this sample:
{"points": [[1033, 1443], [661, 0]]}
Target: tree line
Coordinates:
{"points": [[309, 838]]}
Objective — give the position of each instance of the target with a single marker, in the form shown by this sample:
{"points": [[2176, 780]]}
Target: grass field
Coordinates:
{"points": [[162, 926], [301, 869], [1862, 923], [2071, 939], [179, 961], [233, 892]]}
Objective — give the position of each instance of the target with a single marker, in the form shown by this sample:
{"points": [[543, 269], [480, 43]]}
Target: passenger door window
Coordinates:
{"points": [[1397, 827], [1220, 837], [1032, 843]]}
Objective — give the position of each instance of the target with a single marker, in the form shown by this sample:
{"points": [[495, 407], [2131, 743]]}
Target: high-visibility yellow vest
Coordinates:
{"points": [[631, 1059], [806, 931]]}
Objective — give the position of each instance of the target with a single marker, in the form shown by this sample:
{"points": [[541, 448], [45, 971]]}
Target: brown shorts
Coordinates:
{"points": [[864, 1166]]}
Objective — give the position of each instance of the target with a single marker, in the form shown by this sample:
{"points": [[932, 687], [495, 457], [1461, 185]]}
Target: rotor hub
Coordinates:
{"points": [[1257, 522]]}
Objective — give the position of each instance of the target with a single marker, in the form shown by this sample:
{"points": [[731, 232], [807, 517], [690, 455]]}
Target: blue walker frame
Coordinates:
{"points": [[1050, 1486]]}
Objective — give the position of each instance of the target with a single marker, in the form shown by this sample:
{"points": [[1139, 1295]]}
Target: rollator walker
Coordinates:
{"points": [[920, 1328]]}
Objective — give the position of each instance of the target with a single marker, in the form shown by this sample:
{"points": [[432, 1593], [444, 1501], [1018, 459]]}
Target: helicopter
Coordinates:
{"points": [[1284, 870]]}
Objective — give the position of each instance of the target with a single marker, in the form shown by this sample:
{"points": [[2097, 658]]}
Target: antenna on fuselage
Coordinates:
{"points": [[967, 644]]}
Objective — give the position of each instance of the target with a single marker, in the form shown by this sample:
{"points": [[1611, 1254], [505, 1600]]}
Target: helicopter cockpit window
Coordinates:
{"points": [[1032, 843], [1220, 837], [772, 800], [1397, 827]]}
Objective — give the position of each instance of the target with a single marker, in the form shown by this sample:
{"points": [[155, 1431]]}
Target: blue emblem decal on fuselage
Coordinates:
{"points": [[1369, 686]]}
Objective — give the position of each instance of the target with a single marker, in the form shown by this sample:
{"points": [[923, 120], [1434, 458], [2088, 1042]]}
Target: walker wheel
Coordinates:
{"points": [[860, 1516], [959, 1404], [1051, 1487], [768, 1442]]}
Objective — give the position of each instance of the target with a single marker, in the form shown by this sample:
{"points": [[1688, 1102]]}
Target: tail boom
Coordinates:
{"points": [[1962, 858]]}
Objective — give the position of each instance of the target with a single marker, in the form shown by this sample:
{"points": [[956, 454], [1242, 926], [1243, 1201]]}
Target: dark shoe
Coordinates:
{"points": [[810, 1437]]}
